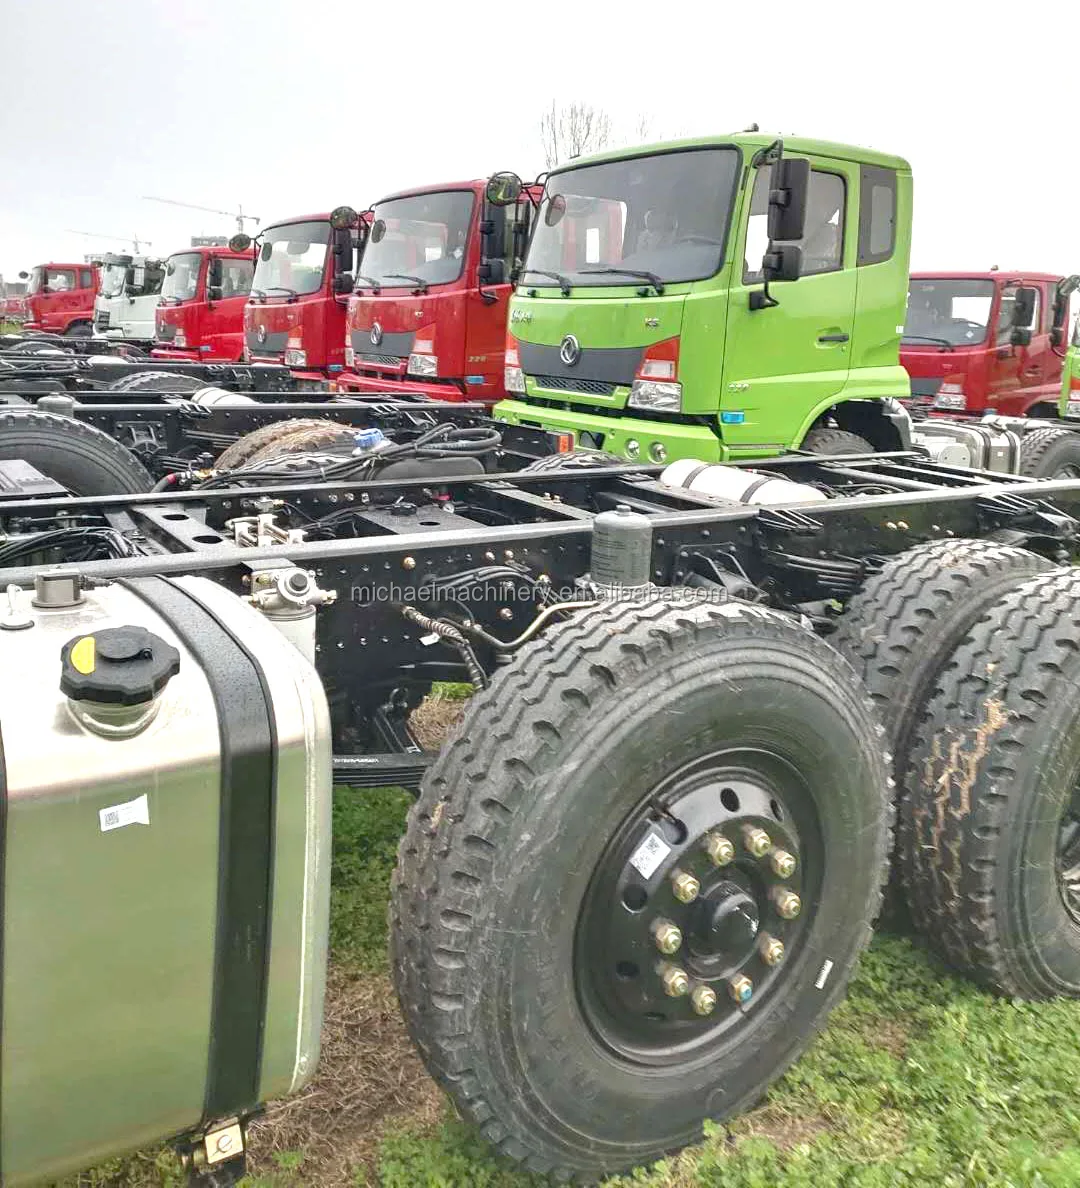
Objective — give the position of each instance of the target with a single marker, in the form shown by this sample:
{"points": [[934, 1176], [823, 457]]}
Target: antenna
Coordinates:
{"points": [[237, 214], [134, 240]]}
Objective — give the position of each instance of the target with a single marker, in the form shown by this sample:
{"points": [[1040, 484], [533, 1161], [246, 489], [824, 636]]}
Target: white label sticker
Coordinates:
{"points": [[135, 812], [648, 856], [823, 977]]}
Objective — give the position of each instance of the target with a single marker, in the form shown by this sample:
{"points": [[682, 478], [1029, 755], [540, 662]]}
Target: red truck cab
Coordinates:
{"points": [[60, 298], [428, 314], [295, 314], [200, 317], [984, 342]]}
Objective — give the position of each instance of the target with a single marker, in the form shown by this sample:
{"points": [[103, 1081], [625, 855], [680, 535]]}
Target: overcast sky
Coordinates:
{"points": [[293, 107]]}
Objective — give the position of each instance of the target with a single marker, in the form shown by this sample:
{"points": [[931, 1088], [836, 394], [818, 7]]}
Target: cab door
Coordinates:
{"points": [[1016, 373], [781, 363], [225, 311]]}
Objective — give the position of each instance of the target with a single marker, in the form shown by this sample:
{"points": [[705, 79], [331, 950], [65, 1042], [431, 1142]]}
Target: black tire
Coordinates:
{"points": [[79, 457], [79, 330], [32, 346], [993, 781], [835, 441], [901, 628], [551, 763], [156, 381], [283, 437], [1050, 453]]}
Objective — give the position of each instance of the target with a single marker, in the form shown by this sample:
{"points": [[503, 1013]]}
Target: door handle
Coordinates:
{"points": [[833, 337]]}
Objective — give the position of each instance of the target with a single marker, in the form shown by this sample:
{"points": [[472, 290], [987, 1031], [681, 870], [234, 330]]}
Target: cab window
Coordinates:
{"points": [[236, 277], [59, 280], [823, 240], [86, 279]]}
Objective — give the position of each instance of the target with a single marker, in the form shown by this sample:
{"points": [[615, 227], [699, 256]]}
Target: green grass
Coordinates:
{"points": [[920, 1078]]}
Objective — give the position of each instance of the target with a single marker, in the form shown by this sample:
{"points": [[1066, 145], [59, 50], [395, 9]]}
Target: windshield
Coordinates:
{"points": [[36, 277], [112, 280], [665, 214], [423, 237], [945, 310], [292, 259], [181, 277]]}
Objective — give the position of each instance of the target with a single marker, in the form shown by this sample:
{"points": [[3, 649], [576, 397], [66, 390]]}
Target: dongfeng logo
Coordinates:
{"points": [[570, 351], [260, 334], [376, 334]]}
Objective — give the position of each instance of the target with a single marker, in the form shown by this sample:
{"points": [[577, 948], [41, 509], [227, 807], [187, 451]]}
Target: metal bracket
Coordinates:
{"points": [[787, 522], [1037, 518]]}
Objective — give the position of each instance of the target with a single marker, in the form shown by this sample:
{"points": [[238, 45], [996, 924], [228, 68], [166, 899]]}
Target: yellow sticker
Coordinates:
{"points": [[82, 655]]}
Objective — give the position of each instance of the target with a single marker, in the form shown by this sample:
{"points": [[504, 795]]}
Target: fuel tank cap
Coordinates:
{"points": [[117, 666]]}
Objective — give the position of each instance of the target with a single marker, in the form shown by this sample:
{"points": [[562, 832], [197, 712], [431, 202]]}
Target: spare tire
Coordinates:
{"points": [[283, 437], [156, 381], [79, 457]]}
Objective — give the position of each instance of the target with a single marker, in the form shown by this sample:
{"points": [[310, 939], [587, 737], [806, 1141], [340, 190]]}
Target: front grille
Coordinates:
{"points": [[560, 383], [382, 360], [101, 319], [166, 332]]}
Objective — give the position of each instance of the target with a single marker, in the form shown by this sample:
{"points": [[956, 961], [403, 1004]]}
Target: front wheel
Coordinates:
{"points": [[835, 441], [79, 330], [637, 880]]}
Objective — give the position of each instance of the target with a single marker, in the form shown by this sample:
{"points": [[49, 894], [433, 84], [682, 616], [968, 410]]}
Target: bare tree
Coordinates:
{"points": [[572, 130]]}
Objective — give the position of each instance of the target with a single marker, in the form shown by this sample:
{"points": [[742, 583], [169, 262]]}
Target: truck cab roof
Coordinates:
{"points": [[988, 274]]}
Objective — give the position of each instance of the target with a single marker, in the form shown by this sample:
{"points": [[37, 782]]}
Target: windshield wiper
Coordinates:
{"points": [[293, 294], [419, 280], [651, 277], [557, 277], [371, 282], [927, 338]]}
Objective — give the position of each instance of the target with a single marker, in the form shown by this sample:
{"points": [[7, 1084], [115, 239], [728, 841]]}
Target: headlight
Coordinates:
{"points": [[665, 397], [1072, 408], [514, 379], [350, 357], [180, 339], [423, 365], [295, 358], [632, 449], [950, 396]]}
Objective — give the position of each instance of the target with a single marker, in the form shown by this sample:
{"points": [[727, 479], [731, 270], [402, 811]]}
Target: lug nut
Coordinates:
{"points": [[741, 988], [719, 849], [788, 904], [771, 949], [757, 841], [684, 886], [676, 983], [667, 936], [783, 863], [703, 1000]]}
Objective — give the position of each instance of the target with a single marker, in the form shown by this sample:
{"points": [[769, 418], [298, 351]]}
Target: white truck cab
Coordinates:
{"points": [[127, 298]]}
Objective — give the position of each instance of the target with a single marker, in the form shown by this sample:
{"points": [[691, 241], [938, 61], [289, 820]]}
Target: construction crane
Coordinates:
{"points": [[135, 241], [237, 214]]}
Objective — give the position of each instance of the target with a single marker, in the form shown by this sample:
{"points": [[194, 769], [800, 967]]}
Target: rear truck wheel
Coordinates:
{"points": [[283, 437], [636, 881], [79, 457], [990, 837], [835, 441], [79, 330], [1050, 454], [156, 381], [901, 628]]}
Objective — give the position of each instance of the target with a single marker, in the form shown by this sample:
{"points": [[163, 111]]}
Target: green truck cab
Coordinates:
{"points": [[1069, 401], [717, 298]]}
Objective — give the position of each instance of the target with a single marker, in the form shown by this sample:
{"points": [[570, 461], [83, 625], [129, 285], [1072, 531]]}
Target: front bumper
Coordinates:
{"points": [[614, 433], [348, 381]]}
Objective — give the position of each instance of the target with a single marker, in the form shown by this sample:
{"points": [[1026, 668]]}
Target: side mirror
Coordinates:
{"points": [[1023, 310], [341, 246], [782, 262], [239, 242], [213, 292], [503, 189], [24, 276], [787, 198], [343, 282], [1020, 336], [492, 272], [343, 218]]}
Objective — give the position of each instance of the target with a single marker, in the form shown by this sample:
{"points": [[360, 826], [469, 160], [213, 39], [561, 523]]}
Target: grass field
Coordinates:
{"points": [[920, 1079]]}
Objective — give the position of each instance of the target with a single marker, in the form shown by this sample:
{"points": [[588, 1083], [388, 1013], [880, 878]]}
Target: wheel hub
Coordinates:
{"points": [[697, 905]]}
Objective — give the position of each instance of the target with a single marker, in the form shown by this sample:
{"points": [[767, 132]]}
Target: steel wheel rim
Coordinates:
{"points": [[1068, 858], [623, 979]]}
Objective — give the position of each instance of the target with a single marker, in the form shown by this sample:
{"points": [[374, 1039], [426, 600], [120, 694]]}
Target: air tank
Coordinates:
{"points": [[736, 484]]}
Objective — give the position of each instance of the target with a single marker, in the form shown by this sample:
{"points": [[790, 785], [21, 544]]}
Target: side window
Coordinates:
{"points": [[1005, 327], [236, 277], [86, 278], [60, 280], [823, 240], [877, 215]]}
